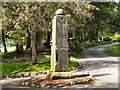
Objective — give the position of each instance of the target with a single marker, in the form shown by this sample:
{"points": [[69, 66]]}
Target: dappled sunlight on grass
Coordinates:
{"points": [[22, 67], [115, 49]]}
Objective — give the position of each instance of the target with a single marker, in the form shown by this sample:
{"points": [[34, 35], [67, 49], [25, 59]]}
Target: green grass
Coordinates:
{"points": [[115, 49], [22, 67], [73, 62]]}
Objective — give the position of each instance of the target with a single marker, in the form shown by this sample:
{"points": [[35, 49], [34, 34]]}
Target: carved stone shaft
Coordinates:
{"points": [[60, 60]]}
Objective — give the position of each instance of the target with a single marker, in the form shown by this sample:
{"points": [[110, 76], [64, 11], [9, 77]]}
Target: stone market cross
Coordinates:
{"points": [[60, 60]]}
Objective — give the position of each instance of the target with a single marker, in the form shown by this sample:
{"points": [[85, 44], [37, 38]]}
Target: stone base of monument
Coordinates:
{"points": [[59, 79], [65, 75]]}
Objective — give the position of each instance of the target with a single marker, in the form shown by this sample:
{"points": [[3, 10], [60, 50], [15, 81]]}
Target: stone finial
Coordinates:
{"points": [[60, 60], [59, 12]]}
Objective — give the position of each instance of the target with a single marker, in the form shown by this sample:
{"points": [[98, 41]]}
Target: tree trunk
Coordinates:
{"points": [[21, 48], [77, 37], [38, 41], [3, 39], [17, 47], [48, 39], [91, 36], [33, 41], [28, 40], [102, 38], [97, 30], [82, 36]]}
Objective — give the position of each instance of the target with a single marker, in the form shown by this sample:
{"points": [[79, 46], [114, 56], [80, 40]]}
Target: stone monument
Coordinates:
{"points": [[60, 60]]}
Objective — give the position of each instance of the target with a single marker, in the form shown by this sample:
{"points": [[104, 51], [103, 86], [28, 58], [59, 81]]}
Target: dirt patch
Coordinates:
{"points": [[23, 58], [43, 82]]}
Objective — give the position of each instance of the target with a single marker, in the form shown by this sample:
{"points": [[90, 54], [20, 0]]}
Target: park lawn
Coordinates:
{"points": [[115, 49], [22, 67]]}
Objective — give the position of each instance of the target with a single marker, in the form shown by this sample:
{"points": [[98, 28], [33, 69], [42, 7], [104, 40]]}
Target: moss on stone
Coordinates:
{"points": [[71, 76]]}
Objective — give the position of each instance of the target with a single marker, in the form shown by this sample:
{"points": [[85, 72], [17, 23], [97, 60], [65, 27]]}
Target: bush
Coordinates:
{"points": [[73, 53], [107, 38], [94, 44], [116, 38]]}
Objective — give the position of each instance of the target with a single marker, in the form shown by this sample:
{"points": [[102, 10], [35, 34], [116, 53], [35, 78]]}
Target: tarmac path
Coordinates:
{"points": [[103, 67]]}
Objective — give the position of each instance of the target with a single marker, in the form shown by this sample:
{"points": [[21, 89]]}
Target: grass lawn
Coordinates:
{"points": [[115, 49], [22, 67]]}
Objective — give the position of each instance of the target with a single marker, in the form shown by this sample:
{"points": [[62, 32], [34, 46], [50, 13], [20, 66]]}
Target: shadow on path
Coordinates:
{"points": [[103, 67]]}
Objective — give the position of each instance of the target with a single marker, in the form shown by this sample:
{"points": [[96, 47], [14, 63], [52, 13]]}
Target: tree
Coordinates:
{"points": [[3, 39], [37, 16], [99, 24]]}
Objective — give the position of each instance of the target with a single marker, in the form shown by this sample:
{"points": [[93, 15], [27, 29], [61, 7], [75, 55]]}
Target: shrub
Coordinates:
{"points": [[116, 37], [94, 44], [107, 38]]}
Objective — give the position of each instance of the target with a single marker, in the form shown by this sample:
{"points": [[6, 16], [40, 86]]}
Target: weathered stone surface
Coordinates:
{"points": [[65, 75], [26, 83], [47, 71], [19, 75], [60, 60], [73, 68], [40, 72], [38, 86], [11, 76], [59, 12], [22, 75], [73, 83], [34, 73], [48, 86], [23, 83], [67, 84], [33, 85], [27, 74], [3, 77], [44, 72], [60, 85], [7, 76], [42, 86], [79, 82]]}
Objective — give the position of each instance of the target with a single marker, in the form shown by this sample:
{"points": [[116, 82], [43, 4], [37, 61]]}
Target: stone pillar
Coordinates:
{"points": [[60, 60]]}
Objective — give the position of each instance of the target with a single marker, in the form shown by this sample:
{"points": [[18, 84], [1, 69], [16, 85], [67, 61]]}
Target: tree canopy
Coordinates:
{"points": [[87, 21]]}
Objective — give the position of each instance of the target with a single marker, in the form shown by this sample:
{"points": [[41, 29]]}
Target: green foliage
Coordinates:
{"points": [[94, 44], [22, 67], [48, 75], [71, 76], [105, 21], [115, 49], [46, 51], [54, 76], [73, 62], [74, 52], [116, 37], [107, 38]]}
